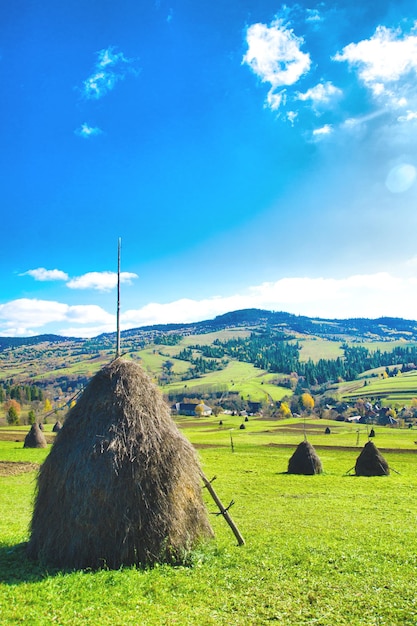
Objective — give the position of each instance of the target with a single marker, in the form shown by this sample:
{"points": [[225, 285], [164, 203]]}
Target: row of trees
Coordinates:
{"points": [[21, 393]]}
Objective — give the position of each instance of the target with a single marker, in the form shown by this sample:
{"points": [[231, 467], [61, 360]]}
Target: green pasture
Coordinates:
{"points": [[290, 432], [316, 348], [330, 550], [244, 378], [152, 361], [86, 367], [400, 388], [208, 338]]}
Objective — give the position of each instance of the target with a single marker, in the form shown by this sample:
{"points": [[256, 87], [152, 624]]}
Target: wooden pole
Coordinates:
{"points": [[223, 510], [118, 300]]}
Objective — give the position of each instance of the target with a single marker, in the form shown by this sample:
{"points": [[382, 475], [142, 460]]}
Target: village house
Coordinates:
{"points": [[190, 408]]}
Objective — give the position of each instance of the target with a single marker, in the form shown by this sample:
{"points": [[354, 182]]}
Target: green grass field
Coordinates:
{"points": [[317, 348], [330, 550], [401, 388], [249, 381]]}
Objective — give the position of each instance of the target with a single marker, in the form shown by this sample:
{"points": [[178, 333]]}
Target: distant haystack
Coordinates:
{"points": [[370, 462], [121, 485], [57, 426], [35, 437], [327, 431], [305, 460]]}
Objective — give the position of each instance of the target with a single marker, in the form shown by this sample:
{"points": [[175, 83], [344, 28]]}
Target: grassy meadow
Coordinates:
{"points": [[402, 388], [329, 550], [249, 381]]}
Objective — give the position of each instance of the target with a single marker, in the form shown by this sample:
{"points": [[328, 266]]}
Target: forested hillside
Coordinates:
{"points": [[294, 351]]}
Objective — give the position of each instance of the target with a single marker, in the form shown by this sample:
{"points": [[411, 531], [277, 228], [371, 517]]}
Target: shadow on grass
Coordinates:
{"points": [[16, 568]]}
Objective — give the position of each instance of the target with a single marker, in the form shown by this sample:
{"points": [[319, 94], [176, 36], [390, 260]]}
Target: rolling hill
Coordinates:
{"points": [[203, 357]]}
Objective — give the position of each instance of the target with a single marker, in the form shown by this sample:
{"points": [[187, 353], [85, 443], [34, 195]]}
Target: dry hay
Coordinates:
{"points": [[121, 484], [35, 438], [305, 460], [370, 462]]}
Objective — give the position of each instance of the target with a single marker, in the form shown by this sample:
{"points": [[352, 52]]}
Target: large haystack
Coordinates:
{"points": [[121, 485], [305, 460], [370, 462], [35, 437]]}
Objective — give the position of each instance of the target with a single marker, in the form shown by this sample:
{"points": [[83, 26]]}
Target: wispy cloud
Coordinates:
{"points": [[43, 274], [313, 15], [88, 131], [323, 131], [110, 68], [274, 54], [321, 95], [101, 281]]}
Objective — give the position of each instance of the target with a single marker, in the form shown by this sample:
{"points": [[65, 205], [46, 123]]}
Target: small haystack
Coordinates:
{"points": [[57, 426], [372, 433], [370, 462], [121, 485], [327, 431], [35, 437], [305, 460]]}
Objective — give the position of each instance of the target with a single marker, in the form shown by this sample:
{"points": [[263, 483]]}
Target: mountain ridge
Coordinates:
{"points": [[383, 327]]}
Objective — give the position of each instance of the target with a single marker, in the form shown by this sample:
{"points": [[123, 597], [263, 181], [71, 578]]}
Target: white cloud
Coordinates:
{"points": [[364, 295], [43, 274], [321, 95], [25, 316], [409, 116], [386, 63], [102, 281], [110, 68], [292, 116], [323, 131], [87, 131], [274, 54]]}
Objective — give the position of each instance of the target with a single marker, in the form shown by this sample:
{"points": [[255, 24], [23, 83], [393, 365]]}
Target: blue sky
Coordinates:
{"points": [[248, 153]]}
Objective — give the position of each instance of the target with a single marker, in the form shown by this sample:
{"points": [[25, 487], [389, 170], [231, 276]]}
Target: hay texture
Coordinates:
{"points": [[121, 485], [370, 462], [305, 460], [35, 438]]}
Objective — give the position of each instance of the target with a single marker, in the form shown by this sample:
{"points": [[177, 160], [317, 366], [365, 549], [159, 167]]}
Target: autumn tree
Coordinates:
{"points": [[199, 409], [13, 410], [307, 401]]}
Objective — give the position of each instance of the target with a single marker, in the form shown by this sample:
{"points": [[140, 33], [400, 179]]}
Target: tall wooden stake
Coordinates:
{"points": [[118, 299]]}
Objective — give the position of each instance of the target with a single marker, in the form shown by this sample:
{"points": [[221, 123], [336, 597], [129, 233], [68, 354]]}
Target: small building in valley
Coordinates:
{"points": [[198, 409]]}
